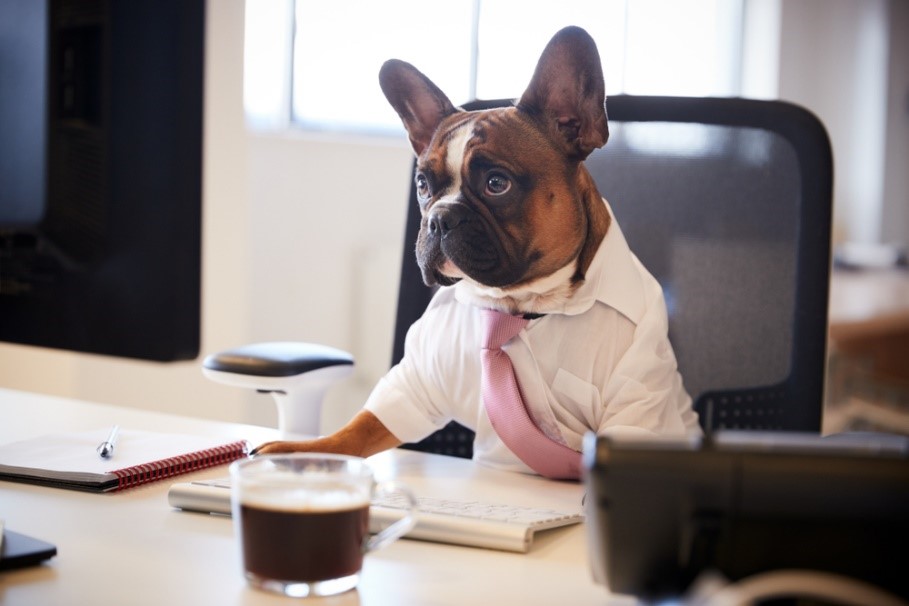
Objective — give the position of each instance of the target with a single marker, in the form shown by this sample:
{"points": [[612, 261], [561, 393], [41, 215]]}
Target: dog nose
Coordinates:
{"points": [[443, 220]]}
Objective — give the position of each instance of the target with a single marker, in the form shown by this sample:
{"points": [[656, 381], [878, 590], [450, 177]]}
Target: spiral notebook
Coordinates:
{"points": [[70, 460]]}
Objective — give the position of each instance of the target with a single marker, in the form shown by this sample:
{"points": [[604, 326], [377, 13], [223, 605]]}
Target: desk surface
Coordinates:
{"points": [[133, 548]]}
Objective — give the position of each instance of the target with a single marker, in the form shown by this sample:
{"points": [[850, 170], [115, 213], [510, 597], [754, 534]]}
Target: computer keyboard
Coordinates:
{"points": [[471, 523]]}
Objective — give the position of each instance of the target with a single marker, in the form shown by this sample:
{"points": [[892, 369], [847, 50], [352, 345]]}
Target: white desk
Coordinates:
{"points": [[133, 548]]}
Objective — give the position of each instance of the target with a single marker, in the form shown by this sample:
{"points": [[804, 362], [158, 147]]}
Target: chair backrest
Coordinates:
{"points": [[728, 203]]}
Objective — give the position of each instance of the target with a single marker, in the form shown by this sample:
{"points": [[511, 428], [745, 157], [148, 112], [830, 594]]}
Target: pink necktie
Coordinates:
{"points": [[505, 406]]}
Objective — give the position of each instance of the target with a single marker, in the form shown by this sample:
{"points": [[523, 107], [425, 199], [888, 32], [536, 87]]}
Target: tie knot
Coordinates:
{"points": [[500, 328]]}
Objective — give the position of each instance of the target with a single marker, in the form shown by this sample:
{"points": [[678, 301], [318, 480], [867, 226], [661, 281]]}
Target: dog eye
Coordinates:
{"points": [[497, 184], [423, 190]]}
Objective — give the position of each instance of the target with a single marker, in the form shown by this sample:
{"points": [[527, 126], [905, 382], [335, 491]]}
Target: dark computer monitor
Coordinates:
{"points": [[663, 511], [101, 175]]}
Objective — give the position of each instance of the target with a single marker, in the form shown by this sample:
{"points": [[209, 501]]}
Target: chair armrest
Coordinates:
{"points": [[275, 364], [296, 374]]}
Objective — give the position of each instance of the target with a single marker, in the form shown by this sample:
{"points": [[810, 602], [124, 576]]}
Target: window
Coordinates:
{"points": [[315, 64]]}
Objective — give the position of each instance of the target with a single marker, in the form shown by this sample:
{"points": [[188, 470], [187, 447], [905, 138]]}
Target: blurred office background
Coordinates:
{"points": [[306, 171]]}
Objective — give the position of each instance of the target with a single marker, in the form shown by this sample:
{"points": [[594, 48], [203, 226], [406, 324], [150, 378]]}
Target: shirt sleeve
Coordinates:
{"points": [[402, 400], [645, 392]]}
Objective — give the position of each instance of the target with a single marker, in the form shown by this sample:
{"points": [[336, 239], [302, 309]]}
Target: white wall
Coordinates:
{"points": [[848, 62], [327, 214], [835, 62], [302, 233]]}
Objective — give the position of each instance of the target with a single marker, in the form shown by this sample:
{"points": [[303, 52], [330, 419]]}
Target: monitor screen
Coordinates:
{"points": [[101, 175]]}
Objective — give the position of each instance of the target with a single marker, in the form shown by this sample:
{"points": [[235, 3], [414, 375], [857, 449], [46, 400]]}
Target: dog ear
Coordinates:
{"points": [[419, 102], [568, 93]]}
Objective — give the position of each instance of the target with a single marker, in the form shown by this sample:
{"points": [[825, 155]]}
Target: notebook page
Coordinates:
{"points": [[73, 456]]}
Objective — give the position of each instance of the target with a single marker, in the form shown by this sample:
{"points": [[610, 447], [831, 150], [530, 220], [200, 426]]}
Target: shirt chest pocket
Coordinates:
{"points": [[579, 399]]}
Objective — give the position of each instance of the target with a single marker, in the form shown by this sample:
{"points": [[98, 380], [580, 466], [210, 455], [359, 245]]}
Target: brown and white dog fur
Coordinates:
{"points": [[507, 205]]}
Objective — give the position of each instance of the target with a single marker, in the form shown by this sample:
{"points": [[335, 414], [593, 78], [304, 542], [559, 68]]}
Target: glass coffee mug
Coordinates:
{"points": [[303, 521]]}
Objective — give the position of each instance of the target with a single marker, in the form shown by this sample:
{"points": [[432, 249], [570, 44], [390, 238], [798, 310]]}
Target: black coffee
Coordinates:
{"points": [[304, 546]]}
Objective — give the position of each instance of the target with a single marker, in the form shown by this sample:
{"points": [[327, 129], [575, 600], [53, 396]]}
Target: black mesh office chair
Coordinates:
{"points": [[728, 203]]}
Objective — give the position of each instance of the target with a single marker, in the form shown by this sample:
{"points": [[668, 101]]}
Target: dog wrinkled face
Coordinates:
{"points": [[505, 200], [497, 202]]}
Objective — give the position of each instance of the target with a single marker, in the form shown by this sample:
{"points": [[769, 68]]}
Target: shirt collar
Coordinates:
{"points": [[613, 278]]}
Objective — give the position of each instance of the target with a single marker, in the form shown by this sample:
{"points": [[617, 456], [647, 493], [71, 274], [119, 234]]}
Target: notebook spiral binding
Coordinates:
{"points": [[130, 477]]}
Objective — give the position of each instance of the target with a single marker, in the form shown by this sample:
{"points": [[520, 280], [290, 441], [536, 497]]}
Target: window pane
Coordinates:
{"points": [[681, 47], [666, 47], [511, 38], [340, 45], [266, 74]]}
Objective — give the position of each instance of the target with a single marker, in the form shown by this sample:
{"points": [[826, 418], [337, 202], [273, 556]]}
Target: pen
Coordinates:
{"points": [[106, 448]]}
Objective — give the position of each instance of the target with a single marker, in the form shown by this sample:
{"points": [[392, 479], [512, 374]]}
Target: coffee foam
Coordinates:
{"points": [[324, 498]]}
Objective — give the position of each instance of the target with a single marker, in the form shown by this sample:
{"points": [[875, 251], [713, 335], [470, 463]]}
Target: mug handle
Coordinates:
{"points": [[395, 531]]}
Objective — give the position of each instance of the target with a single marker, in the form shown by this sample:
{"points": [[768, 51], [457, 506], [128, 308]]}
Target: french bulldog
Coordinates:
{"points": [[512, 221]]}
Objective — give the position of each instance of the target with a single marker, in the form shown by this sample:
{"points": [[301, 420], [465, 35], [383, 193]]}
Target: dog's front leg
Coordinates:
{"points": [[363, 436]]}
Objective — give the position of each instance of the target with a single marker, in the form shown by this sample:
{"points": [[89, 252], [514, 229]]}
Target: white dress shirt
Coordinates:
{"points": [[602, 362]]}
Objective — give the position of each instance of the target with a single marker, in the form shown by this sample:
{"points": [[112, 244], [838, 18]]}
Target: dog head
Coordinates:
{"points": [[506, 203]]}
